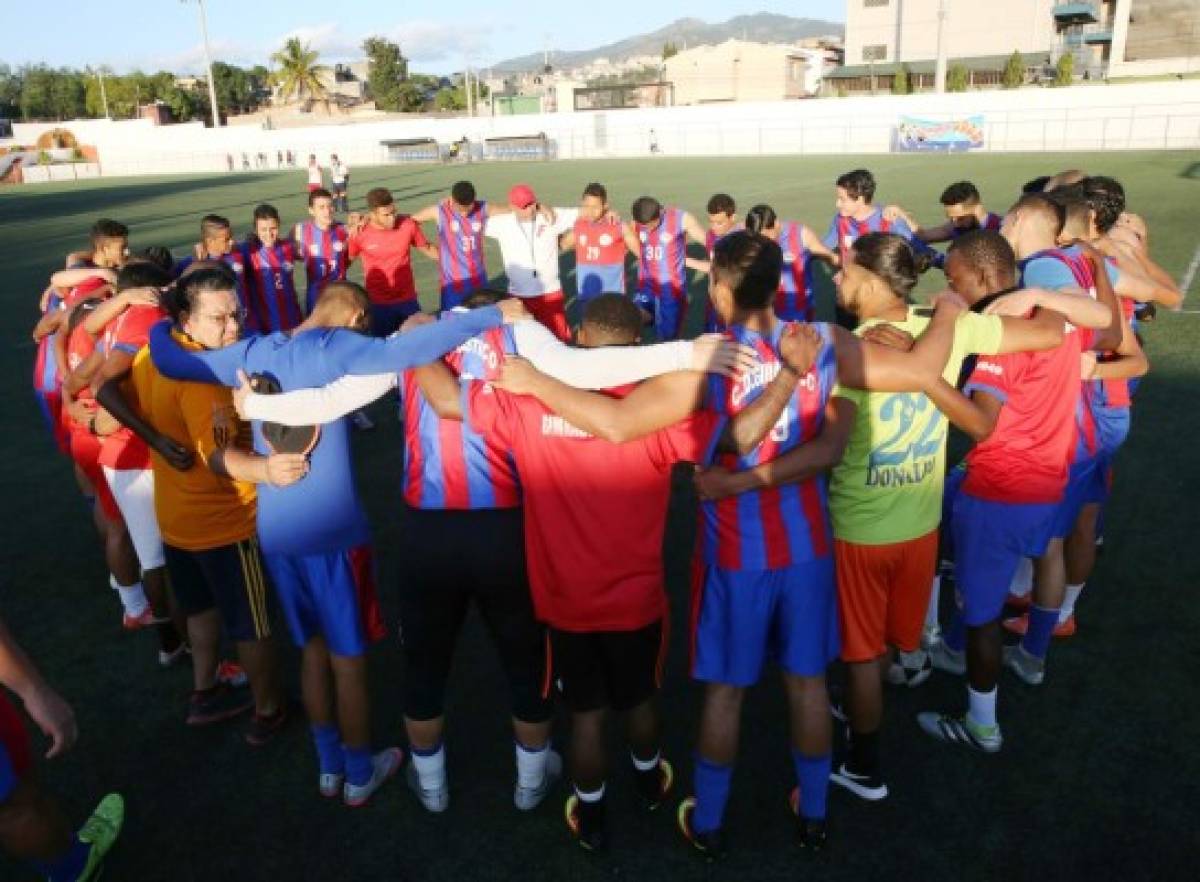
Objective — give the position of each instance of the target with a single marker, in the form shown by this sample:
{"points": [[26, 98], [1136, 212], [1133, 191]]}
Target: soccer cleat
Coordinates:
{"points": [[961, 730], [264, 728], [100, 831], [170, 659], [911, 670], [145, 619], [710, 844], [585, 820], [868, 787], [1020, 624], [231, 674], [217, 704], [330, 784], [1030, 669], [434, 800], [361, 421], [812, 834], [1019, 602], [947, 660], [654, 784], [526, 799], [385, 765]]}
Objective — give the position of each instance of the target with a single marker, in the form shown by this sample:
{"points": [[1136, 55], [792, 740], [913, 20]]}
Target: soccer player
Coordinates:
{"points": [[529, 245], [658, 235], [314, 534], [795, 300], [599, 247], [460, 221], [463, 495], [323, 241], [856, 214], [964, 212], [33, 827], [385, 241], [207, 513], [217, 243], [339, 178], [1019, 408], [606, 613], [885, 495], [270, 275], [316, 178]]}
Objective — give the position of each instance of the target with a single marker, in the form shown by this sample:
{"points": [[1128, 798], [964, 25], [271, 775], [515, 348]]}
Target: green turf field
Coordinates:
{"points": [[1098, 775]]}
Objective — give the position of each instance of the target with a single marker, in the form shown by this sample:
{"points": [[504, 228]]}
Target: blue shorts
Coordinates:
{"points": [[668, 311], [990, 538], [740, 619], [386, 318], [452, 298], [1086, 476], [950, 492], [1112, 428], [330, 596], [15, 755]]}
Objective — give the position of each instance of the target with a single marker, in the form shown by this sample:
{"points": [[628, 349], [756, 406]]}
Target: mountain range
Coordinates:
{"points": [[762, 27]]}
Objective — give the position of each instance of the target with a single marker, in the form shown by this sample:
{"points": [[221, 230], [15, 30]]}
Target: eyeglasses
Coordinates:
{"points": [[238, 316]]}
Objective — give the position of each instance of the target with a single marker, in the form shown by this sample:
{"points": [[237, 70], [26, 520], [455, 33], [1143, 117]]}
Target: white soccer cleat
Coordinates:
{"points": [[385, 764], [526, 799], [435, 800]]}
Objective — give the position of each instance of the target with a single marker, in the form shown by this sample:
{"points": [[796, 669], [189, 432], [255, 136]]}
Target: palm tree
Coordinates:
{"points": [[299, 75]]}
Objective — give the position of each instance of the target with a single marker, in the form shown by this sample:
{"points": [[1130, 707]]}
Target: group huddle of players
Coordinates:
{"points": [[206, 404]]}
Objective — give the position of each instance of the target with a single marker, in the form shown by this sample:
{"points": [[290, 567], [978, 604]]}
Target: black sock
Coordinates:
{"points": [[864, 752]]}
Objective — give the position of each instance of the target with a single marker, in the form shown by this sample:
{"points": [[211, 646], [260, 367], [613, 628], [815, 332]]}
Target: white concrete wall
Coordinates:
{"points": [[1142, 115]]}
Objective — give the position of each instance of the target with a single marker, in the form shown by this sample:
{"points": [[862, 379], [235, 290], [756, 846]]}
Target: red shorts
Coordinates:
{"points": [[883, 593], [15, 755], [85, 450], [549, 310]]}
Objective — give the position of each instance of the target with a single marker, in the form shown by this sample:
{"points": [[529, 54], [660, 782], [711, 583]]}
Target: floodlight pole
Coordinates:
{"points": [[103, 92], [939, 75], [212, 86]]}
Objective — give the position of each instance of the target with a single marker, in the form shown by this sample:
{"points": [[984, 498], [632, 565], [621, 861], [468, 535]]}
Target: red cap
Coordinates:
{"points": [[522, 196]]}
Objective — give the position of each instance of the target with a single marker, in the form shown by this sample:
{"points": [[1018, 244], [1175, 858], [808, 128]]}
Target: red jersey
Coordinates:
{"points": [[81, 292], [80, 345], [387, 259], [1027, 457], [128, 333], [594, 511]]}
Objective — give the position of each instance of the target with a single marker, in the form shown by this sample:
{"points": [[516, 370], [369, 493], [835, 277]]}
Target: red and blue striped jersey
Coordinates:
{"points": [[460, 249], [447, 464], [326, 257], [780, 526], [661, 256], [794, 301], [599, 258], [845, 231], [270, 280], [46, 377]]}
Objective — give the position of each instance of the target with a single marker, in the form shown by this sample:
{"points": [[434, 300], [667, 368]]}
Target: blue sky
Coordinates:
{"points": [[164, 34]]}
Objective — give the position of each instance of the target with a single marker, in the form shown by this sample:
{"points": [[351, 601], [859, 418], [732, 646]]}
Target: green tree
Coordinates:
{"points": [[1064, 71], [900, 82], [1014, 72], [10, 91], [408, 97], [299, 75], [387, 75], [958, 78], [668, 50], [450, 99], [47, 93]]}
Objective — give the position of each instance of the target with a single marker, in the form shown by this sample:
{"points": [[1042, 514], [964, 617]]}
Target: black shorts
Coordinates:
{"points": [[452, 558], [601, 669], [230, 577]]}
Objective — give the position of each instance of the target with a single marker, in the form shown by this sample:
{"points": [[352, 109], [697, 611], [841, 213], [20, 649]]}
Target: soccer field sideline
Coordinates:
{"points": [[1082, 748]]}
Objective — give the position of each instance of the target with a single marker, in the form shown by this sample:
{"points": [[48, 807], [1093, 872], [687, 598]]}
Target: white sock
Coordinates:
{"points": [[590, 795], [531, 765], [112, 582], [431, 768], [644, 765], [935, 596], [1022, 580], [981, 707], [1069, 599], [133, 598]]}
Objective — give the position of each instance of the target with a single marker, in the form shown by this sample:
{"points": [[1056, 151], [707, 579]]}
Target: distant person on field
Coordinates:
{"points": [[316, 179], [339, 176]]}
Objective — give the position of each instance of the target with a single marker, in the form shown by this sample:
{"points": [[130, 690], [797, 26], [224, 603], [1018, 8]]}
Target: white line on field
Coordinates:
{"points": [[1189, 274]]}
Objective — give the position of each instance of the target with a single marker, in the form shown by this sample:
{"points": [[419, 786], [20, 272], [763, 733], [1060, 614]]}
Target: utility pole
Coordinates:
{"points": [[103, 91], [939, 76], [212, 86]]}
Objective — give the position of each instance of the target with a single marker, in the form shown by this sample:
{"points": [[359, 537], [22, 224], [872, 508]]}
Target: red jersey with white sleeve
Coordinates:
{"points": [[594, 511], [1027, 457], [129, 332]]}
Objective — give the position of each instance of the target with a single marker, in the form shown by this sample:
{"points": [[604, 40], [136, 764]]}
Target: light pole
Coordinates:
{"points": [[212, 86], [103, 92], [939, 75]]}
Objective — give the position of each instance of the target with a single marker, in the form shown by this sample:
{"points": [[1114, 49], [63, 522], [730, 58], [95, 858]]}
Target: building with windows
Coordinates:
{"points": [[737, 70], [1106, 37]]}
